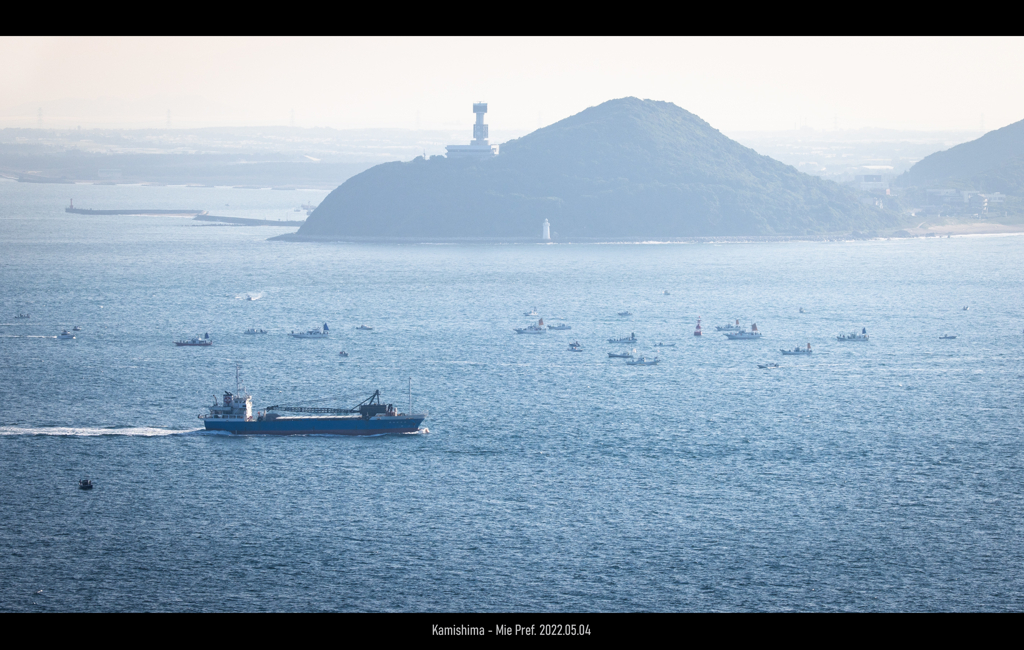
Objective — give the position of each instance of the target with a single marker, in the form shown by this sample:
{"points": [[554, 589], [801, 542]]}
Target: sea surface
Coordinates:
{"points": [[884, 475]]}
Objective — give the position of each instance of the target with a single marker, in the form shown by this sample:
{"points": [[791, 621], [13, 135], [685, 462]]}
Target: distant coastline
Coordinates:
{"points": [[908, 233]]}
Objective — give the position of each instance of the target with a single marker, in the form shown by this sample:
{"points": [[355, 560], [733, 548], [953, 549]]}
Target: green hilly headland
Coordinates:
{"points": [[625, 169], [992, 163]]}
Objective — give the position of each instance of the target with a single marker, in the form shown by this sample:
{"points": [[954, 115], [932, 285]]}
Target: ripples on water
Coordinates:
{"points": [[868, 476]]}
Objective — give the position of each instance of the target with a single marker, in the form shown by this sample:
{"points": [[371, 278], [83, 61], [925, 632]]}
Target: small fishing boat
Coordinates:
{"points": [[947, 336], [622, 355], [364, 327], [744, 335], [624, 339], [854, 336], [575, 347], [253, 330], [195, 341], [729, 328], [666, 293], [563, 326], [765, 366], [532, 329], [664, 345], [697, 332], [321, 333], [22, 316], [76, 328], [532, 313], [343, 354], [66, 335], [643, 361], [625, 313], [797, 350], [84, 484]]}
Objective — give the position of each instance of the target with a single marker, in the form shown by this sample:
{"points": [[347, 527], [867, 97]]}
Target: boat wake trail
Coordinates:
{"points": [[97, 431]]}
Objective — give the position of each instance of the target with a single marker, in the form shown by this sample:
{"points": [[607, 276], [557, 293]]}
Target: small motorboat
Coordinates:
{"points": [[625, 313], [531, 313], [643, 361], [253, 330], [801, 310], [575, 347], [621, 355], [562, 326], [664, 345], [76, 328], [947, 336], [666, 293], [765, 366], [343, 354], [697, 332], [729, 328], [84, 484], [22, 316], [966, 308], [66, 335], [364, 327]]}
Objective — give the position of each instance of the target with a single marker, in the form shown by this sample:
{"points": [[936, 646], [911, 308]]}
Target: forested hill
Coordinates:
{"points": [[992, 163], [626, 169]]}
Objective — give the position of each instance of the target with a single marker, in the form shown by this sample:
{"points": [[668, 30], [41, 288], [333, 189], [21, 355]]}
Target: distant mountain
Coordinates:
{"points": [[626, 169], [992, 163]]}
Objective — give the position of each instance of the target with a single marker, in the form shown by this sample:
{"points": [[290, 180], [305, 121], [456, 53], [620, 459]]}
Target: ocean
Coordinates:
{"points": [[883, 475]]}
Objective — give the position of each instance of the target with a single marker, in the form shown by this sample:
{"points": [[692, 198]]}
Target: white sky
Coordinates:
{"points": [[736, 84]]}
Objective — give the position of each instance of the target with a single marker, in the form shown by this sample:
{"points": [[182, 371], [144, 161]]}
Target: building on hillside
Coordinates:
{"points": [[871, 182], [478, 148], [970, 197]]}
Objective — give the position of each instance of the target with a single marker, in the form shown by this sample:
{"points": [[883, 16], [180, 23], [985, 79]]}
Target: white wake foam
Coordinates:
{"points": [[96, 431]]}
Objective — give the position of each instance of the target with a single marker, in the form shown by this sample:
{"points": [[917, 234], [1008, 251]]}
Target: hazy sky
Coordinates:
{"points": [[736, 84]]}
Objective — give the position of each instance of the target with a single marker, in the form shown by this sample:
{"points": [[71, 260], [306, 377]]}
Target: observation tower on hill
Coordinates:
{"points": [[478, 148]]}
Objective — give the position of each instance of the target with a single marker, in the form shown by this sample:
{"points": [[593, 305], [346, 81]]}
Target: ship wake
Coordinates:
{"points": [[96, 431]]}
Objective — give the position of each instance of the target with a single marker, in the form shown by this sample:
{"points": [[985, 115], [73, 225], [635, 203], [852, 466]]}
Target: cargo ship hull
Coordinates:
{"points": [[342, 426]]}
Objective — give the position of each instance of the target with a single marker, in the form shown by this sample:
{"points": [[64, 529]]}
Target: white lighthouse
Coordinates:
{"points": [[546, 236], [478, 148]]}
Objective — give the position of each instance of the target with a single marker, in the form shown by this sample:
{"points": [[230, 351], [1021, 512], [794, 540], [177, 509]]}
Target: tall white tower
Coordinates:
{"points": [[480, 129], [478, 148], [547, 231]]}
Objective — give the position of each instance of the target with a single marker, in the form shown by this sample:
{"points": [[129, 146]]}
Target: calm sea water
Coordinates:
{"points": [[877, 476]]}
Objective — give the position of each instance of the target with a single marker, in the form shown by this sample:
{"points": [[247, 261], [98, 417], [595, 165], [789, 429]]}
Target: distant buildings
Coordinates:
{"points": [[960, 199], [478, 148], [971, 197]]}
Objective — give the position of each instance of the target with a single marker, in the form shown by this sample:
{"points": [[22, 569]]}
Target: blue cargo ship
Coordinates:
{"points": [[369, 417]]}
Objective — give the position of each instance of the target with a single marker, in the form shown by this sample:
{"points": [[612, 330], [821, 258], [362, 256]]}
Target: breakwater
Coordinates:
{"points": [[242, 221], [137, 212]]}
